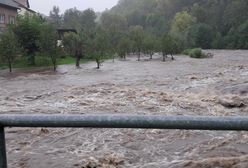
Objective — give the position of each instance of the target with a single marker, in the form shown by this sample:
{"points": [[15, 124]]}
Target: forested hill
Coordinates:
{"points": [[210, 23]]}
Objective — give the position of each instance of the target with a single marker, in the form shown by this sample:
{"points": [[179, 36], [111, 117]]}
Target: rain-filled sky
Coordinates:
{"points": [[44, 6]]}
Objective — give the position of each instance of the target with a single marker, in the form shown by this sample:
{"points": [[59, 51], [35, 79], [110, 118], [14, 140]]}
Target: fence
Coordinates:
{"points": [[118, 121]]}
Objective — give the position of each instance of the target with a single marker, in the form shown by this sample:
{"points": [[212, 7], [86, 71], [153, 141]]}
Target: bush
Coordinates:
{"points": [[186, 52], [195, 53]]}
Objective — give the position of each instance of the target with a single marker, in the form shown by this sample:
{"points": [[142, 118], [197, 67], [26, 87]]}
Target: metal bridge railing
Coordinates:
{"points": [[118, 121]]}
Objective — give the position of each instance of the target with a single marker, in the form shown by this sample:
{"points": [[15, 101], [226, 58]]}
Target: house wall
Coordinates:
{"points": [[23, 11], [24, 7], [9, 13]]}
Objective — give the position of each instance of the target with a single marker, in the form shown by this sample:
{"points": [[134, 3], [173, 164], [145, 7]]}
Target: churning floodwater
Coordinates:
{"points": [[215, 86]]}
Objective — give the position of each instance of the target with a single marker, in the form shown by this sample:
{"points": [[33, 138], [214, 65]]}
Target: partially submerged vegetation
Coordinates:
{"points": [[195, 53], [170, 27]]}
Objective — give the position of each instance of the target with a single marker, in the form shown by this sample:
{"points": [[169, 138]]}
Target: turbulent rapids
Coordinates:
{"points": [[215, 86]]}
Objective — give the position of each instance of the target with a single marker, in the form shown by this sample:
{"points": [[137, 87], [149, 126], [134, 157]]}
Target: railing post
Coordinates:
{"points": [[3, 158]]}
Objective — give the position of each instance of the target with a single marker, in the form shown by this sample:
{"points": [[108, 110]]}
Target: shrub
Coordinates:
{"points": [[195, 53], [186, 52]]}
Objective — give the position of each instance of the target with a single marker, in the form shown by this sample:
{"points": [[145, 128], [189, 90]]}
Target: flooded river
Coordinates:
{"points": [[215, 86]]}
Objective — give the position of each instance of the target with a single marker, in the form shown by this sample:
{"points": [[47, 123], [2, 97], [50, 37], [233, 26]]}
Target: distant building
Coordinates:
{"points": [[9, 9], [62, 31], [8, 13]]}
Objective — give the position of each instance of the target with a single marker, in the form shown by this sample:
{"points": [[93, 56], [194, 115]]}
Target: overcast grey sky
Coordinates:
{"points": [[44, 6]]}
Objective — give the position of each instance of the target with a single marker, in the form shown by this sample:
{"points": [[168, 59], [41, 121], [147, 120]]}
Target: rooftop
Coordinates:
{"points": [[9, 3]]}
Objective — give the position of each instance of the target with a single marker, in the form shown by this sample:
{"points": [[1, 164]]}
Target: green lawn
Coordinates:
{"points": [[70, 60], [41, 62]]}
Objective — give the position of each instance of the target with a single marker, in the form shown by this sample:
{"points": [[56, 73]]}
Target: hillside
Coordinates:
{"points": [[223, 20]]}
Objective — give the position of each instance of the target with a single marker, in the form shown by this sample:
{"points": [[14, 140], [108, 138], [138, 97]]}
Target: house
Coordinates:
{"points": [[24, 3], [8, 13], [61, 33], [24, 7], [9, 9]]}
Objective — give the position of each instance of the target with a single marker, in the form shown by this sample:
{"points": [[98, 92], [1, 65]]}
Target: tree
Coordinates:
{"points": [[8, 47], [99, 46], [168, 46], [79, 20], [124, 47], [136, 17], [87, 19], [27, 31], [235, 13], [199, 12], [182, 22], [180, 27], [136, 33], [178, 16], [55, 17], [71, 19], [150, 44], [218, 41], [48, 43], [201, 36], [116, 27], [237, 38], [74, 45], [243, 36]]}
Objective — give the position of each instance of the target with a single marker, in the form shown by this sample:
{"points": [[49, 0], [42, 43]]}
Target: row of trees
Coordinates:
{"points": [[118, 36], [29, 37], [167, 26], [33, 35], [132, 26], [194, 23]]}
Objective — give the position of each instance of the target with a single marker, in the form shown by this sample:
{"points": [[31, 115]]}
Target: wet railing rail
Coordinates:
{"points": [[118, 121]]}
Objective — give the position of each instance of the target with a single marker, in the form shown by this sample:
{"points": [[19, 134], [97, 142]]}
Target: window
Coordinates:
{"points": [[11, 19], [2, 18]]}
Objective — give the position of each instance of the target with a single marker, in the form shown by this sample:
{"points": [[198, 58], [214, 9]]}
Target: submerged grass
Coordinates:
{"points": [[41, 62]]}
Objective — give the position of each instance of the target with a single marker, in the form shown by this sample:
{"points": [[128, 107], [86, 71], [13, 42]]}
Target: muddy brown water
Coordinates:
{"points": [[215, 87]]}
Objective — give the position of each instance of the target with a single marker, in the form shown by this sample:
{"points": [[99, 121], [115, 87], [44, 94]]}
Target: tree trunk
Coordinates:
{"points": [[77, 55], [139, 55], [98, 63], [113, 58], [54, 61], [151, 54], [32, 59], [54, 65], [172, 58], [78, 62], [10, 66], [164, 57]]}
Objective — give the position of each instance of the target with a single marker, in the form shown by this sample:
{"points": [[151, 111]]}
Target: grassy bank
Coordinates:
{"points": [[41, 62]]}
